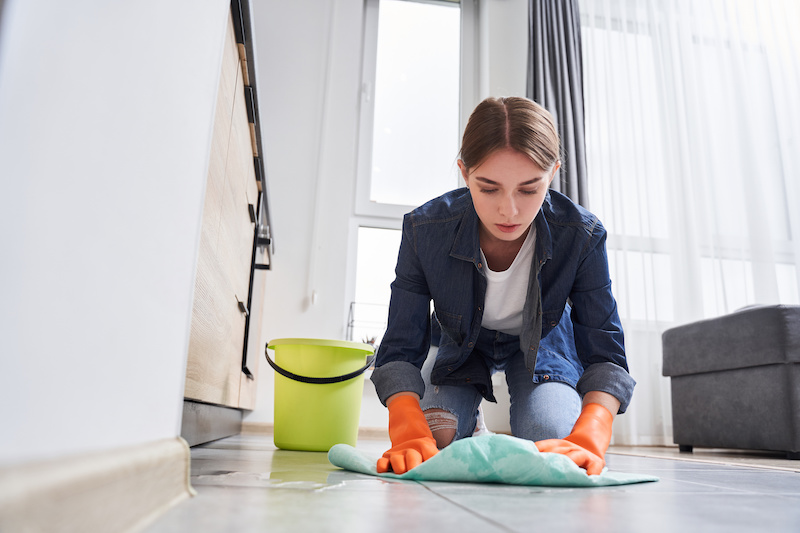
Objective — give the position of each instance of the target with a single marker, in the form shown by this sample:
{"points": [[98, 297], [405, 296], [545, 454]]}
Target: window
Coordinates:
{"points": [[377, 254], [410, 105], [418, 67], [686, 162]]}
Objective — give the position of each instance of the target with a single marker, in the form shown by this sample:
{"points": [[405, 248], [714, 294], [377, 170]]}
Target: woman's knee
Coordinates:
{"points": [[541, 426], [443, 424], [548, 412]]}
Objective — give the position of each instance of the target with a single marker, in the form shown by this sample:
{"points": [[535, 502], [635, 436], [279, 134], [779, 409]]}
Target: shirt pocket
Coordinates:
{"points": [[451, 327]]}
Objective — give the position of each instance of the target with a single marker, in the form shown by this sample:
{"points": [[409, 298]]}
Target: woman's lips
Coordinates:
{"points": [[507, 228]]}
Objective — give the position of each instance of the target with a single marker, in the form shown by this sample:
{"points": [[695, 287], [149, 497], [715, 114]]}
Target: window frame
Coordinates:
{"points": [[390, 216], [363, 206]]}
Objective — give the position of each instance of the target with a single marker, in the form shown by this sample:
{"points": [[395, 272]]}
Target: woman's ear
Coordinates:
{"points": [[553, 172], [464, 173]]}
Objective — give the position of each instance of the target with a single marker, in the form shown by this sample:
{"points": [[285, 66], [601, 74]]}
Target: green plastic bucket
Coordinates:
{"points": [[318, 388]]}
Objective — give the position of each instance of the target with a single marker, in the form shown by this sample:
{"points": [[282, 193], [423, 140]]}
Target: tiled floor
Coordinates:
{"points": [[245, 484]]}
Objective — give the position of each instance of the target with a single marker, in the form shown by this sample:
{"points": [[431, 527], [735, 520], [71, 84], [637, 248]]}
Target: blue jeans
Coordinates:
{"points": [[545, 410]]}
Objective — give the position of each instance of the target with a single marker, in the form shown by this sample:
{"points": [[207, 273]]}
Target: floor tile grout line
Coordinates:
{"points": [[709, 461], [725, 491], [467, 509]]}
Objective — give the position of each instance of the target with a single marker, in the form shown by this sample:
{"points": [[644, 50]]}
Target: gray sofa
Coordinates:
{"points": [[736, 380]]}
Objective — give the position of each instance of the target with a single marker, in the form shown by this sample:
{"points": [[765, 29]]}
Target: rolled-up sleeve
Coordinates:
{"points": [[397, 376], [609, 378]]}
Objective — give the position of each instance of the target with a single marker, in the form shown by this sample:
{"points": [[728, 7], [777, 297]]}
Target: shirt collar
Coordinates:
{"points": [[466, 245]]}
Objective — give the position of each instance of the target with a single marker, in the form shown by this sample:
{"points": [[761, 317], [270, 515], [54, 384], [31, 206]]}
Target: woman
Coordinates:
{"points": [[518, 276]]}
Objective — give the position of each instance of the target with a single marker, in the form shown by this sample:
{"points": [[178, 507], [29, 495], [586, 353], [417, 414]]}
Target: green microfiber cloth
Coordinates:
{"points": [[490, 459]]}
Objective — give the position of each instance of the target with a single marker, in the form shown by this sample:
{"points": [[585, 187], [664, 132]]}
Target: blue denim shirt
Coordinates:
{"points": [[440, 260]]}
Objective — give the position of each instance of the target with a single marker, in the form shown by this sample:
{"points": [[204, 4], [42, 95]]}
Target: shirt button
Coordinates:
{"points": [[471, 344], [546, 377], [480, 265]]}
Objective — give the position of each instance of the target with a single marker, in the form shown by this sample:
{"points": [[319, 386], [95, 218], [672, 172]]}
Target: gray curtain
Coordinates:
{"points": [[555, 81]]}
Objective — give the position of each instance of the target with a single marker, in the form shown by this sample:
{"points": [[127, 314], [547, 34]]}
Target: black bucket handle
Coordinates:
{"points": [[317, 381]]}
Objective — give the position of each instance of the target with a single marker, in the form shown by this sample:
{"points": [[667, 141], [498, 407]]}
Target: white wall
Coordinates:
{"points": [[309, 69], [106, 123], [503, 48]]}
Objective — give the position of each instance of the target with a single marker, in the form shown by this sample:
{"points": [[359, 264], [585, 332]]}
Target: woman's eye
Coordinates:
{"points": [[528, 191], [488, 191]]}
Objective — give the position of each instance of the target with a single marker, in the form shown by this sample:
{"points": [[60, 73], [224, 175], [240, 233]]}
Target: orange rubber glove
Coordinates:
{"points": [[586, 445], [412, 440]]}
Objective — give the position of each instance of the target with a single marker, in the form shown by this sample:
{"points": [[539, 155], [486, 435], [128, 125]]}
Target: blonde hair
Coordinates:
{"points": [[511, 122]]}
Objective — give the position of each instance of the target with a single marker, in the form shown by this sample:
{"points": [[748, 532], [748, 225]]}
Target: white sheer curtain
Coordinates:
{"points": [[693, 157]]}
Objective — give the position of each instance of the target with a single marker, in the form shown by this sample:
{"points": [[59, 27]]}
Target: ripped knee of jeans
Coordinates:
{"points": [[443, 425]]}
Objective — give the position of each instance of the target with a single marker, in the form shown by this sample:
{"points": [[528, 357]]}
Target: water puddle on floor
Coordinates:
{"points": [[288, 479]]}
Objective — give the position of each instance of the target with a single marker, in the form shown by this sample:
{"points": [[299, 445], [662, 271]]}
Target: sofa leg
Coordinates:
{"points": [[685, 448], [794, 456]]}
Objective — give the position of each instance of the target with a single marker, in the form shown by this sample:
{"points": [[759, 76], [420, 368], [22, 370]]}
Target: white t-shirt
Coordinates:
{"points": [[506, 290]]}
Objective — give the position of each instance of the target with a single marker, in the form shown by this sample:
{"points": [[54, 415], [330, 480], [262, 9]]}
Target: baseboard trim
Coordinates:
{"points": [[266, 428], [373, 433], [117, 490], [256, 428]]}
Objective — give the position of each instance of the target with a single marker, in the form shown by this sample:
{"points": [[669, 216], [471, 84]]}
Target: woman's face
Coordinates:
{"points": [[507, 189]]}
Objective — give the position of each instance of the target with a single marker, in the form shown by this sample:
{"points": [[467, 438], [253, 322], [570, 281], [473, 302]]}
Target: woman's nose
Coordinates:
{"points": [[508, 207]]}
